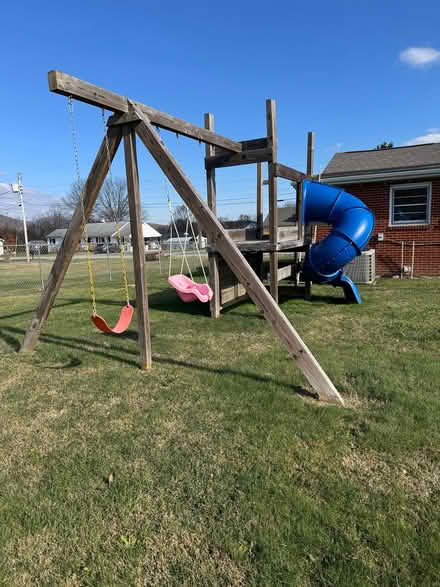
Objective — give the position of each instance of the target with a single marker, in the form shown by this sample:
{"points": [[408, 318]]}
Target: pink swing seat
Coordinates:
{"points": [[190, 291], [122, 324]]}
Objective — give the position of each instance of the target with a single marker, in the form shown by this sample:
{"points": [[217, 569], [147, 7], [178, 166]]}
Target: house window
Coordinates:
{"points": [[410, 204]]}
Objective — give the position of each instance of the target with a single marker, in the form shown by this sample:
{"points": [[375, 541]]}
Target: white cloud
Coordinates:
{"points": [[432, 136], [35, 201], [420, 56]]}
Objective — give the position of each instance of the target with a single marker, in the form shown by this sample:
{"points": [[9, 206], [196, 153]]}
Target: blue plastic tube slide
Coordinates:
{"points": [[352, 225]]}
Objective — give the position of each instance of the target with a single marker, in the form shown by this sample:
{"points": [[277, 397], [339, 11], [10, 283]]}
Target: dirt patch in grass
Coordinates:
{"points": [[416, 477], [24, 438], [31, 559], [199, 561]]}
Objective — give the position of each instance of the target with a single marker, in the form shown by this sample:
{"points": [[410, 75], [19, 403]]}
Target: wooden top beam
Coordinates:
{"points": [[243, 158], [67, 85], [288, 172]]}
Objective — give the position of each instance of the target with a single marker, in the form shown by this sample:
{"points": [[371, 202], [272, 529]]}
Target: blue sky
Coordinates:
{"points": [[356, 73]]}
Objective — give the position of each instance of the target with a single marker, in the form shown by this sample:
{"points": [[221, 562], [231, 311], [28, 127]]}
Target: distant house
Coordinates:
{"points": [[286, 217], [239, 224], [185, 242], [105, 233], [163, 229], [402, 187], [2, 249]]}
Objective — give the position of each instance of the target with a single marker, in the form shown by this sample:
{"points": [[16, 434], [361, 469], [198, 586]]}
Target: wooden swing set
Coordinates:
{"points": [[131, 119]]}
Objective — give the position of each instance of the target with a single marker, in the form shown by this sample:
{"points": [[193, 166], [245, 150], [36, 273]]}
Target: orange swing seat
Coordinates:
{"points": [[121, 325]]}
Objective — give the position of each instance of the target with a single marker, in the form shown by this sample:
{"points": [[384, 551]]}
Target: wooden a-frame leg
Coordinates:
{"points": [[71, 241], [214, 284], [229, 251], [137, 239]]}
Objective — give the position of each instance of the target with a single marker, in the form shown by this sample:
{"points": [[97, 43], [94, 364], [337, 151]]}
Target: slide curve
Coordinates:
{"points": [[352, 224]]}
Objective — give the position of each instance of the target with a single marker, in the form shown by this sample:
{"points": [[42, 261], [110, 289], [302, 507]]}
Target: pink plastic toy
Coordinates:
{"points": [[188, 290]]}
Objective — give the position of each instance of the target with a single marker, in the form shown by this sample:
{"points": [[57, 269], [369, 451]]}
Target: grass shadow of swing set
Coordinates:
{"points": [[10, 336]]}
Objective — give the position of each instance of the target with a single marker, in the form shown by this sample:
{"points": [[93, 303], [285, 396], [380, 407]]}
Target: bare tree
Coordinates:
{"points": [[112, 203], [181, 215], [72, 198], [384, 145], [40, 226]]}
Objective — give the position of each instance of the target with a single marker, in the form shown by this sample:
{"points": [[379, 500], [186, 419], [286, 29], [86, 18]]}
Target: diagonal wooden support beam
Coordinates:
{"points": [[71, 241], [238, 264]]}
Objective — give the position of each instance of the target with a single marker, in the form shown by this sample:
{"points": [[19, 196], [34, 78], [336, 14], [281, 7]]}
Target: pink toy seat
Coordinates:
{"points": [[188, 290]]}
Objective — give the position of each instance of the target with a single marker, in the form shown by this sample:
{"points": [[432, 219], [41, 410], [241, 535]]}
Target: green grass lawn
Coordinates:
{"points": [[226, 470]]}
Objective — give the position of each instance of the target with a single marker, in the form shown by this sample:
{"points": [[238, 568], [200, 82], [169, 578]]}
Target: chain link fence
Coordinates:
{"points": [[27, 274]]}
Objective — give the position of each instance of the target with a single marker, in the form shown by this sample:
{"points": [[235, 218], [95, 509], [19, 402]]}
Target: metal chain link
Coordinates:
{"points": [[81, 197], [118, 228]]}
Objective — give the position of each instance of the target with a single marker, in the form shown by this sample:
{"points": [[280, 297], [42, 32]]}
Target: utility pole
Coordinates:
{"points": [[17, 188]]}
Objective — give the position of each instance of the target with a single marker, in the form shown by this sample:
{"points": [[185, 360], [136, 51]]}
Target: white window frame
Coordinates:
{"points": [[394, 187]]}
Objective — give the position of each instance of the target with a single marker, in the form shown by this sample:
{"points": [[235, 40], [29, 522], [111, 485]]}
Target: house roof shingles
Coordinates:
{"points": [[397, 158], [286, 216]]}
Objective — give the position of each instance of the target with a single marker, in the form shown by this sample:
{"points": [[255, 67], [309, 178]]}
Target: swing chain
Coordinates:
{"points": [[197, 244], [118, 228], [81, 198]]}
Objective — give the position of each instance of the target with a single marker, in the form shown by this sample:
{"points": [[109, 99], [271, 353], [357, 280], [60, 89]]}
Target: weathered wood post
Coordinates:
{"points": [[214, 278], [273, 196], [137, 239], [308, 236]]}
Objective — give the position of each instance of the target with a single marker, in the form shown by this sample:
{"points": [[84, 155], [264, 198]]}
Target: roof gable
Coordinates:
{"points": [[396, 158], [286, 216]]}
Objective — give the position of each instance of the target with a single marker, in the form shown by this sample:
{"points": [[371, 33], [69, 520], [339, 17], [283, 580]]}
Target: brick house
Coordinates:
{"points": [[402, 187]]}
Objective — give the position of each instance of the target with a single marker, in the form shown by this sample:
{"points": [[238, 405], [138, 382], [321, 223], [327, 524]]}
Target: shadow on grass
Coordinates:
{"points": [[13, 342], [94, 348], [167, 300], [70, 302], [74, 362], [290, 292]]}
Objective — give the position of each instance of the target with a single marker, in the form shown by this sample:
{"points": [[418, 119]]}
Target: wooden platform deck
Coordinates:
{"points": [[265, 246]]}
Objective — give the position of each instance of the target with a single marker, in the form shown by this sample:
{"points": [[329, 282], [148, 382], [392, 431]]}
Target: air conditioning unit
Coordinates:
{"points": [[362, 269]]}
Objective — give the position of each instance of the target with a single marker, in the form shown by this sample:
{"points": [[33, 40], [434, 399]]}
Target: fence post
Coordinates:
{"points": [[39, 265], [402, 271], [109, 266], [412, 260]]}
